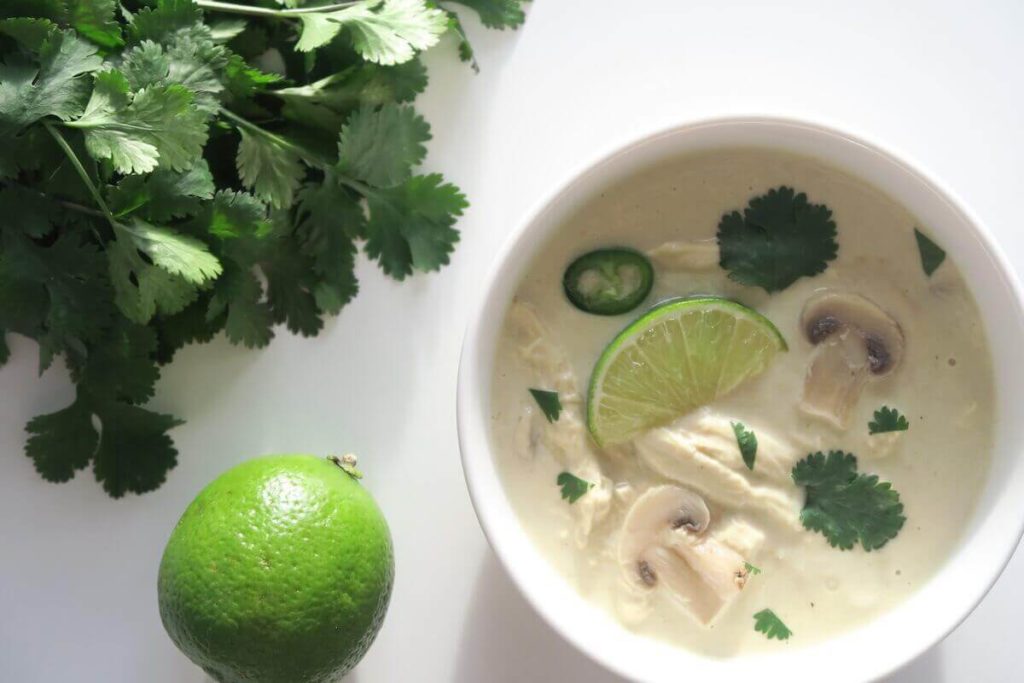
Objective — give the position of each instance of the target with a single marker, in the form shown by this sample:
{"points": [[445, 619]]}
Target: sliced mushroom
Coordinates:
{"points": [[856, 341], [664, 544]]}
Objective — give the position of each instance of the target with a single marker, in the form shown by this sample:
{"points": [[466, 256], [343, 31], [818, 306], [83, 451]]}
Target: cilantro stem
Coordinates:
{"points": [[295, 12], [77, 164], [306, 155]]}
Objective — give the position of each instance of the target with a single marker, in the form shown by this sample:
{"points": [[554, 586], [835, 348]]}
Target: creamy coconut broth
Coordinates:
{"points": [[942, 385]]}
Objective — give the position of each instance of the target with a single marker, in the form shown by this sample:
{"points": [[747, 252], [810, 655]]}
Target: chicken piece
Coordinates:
{"points": [[566, 439], [701, 452]]}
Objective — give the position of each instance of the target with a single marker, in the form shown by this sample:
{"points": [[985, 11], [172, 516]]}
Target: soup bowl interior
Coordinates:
{"points": [[864, 653]]}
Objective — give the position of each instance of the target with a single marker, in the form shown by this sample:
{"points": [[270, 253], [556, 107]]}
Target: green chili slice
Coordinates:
{"points": [[608, 281]]}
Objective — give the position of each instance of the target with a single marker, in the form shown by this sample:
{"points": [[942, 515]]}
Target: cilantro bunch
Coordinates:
{"points": [[174, 169]]}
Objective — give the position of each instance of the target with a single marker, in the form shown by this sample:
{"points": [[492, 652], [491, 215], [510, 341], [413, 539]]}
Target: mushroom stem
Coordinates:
{"points": [[835, 378]]}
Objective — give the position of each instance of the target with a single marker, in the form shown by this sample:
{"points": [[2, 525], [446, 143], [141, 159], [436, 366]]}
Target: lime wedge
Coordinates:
{"points": [[677, 357]]}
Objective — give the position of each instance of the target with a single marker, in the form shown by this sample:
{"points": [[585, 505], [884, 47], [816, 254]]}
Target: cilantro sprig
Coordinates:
{"points": [[779, 238], [746, 440], [159, 187], [847, 507], [573, 488], [888, 420], [768, 623]]}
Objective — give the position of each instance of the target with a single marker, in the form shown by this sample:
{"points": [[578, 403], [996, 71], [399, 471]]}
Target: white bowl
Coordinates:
{"points": [[874, 649]]}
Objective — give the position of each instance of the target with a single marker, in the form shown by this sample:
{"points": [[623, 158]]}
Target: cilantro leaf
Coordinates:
{"points": [[751, 569], [182, 63], [63, 442], [780, 238], [135, 131], [121, 367], [888, 420], [466, 53], [290, 286], [847, 507], [747, 442], [51, 84], [365, 84], [573, 488], [932, 255], [410, 226], [238, 296], [56, 294], [175, 253], [269, 168], [382, 146], [156, 23], [187, 327], [95, 20], [134, 452], [768, 623], [549, 403], [330, 221], [163, 194], [387, 32], [499, 14], [141, 289]]}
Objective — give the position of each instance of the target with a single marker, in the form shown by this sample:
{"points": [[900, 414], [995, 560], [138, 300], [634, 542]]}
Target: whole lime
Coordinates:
{"points": [[279, 571]]}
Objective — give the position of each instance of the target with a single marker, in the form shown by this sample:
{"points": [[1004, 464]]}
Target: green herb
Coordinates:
{"points": [[549, 403], [747, 441], [158, 188], [847, 507], [752, 569], [779, 238], [771, 626], [888, 420], [573, 487], [932, 255]]}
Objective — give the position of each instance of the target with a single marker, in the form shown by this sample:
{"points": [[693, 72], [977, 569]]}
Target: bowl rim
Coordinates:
{"points": [[477, 454]]}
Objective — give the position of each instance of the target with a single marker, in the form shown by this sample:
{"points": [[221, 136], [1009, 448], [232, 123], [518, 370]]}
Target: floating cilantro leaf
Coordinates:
{"points": [[747, 442], [847, 507], [888, 420], [549, 403], [779, 238], [751, 569], [573, 488], [499, 14], [768, 623], [932, 255]]}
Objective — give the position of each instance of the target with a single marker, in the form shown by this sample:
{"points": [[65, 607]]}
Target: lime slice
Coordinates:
{"points": [[677, 357]]}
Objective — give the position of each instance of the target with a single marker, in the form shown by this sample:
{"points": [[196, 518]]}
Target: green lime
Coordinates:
{"points": [[279, 571], [676, 357]]}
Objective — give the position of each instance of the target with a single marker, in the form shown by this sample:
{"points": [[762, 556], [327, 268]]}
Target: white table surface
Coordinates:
{"points": [[943, 82]]}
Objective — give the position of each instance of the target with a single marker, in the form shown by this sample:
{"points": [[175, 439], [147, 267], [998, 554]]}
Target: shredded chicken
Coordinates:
{"points": [[700, 452], [566, 439]]}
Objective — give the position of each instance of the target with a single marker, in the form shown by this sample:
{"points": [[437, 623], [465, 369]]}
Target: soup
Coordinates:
{"points": [[743, 401]]}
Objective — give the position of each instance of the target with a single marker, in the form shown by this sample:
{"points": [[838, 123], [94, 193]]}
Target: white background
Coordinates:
{"points": [[941, 82]]}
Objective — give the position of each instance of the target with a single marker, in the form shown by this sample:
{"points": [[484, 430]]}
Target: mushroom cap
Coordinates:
{"points": [[830, 313], [655, 515]]}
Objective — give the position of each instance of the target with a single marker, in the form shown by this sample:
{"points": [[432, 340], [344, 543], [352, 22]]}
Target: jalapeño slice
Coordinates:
{"points": [[608, 281]]}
